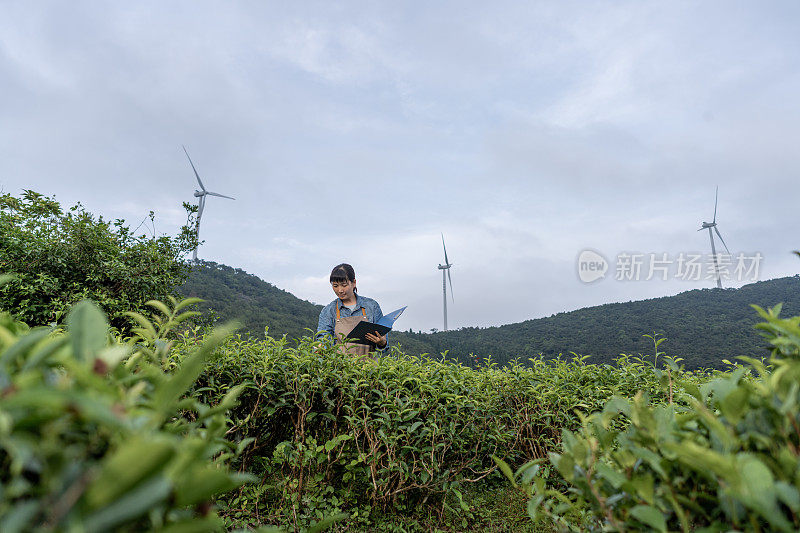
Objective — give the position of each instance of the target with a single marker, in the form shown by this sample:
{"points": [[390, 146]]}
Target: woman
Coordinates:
{"points": [[339, 317]]}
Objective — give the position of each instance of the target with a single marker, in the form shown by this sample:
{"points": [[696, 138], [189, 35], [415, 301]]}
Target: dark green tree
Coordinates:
{"points": [[59, 257]]}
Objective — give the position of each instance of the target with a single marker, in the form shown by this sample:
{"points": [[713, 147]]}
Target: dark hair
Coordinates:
{"points": [[342, 273]]}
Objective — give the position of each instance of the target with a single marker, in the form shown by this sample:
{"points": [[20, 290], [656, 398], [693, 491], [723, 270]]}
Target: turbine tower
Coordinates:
{"points": [[709, 226], [445, 267], [201, 194]]}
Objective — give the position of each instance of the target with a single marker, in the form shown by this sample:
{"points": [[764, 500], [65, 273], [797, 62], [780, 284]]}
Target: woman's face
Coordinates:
{"points": [[344, 290]]}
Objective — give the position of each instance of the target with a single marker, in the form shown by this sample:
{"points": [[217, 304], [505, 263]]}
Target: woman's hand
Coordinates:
{"points": [[377, 339]]}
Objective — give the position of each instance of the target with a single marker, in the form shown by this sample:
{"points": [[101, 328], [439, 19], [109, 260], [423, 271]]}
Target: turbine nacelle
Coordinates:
{"points": [[713, 226], [201, 195], [445, 278]]}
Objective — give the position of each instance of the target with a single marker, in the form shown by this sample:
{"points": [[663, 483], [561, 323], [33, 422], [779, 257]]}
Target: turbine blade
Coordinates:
{"points": [[446, 262], [716, 195], [195, 170], [220, 195], [720, 238], [451, 285]]}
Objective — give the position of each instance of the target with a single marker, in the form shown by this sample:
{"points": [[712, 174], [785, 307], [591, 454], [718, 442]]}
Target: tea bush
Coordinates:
{"points": [[723, 455], [61, 256], [390, 434], [95, 436]]}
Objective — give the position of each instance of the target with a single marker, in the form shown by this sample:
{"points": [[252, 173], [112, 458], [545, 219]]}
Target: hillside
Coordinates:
{"points": [[703, 326], [232, 293]]}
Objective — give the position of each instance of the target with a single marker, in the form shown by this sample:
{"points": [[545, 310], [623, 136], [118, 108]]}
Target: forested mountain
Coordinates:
{"points": [[702, 326], [232, 293]]}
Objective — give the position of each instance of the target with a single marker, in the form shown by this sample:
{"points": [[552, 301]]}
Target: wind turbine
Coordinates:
{"points": [[445, 267], [709, 226], [201, 194]]}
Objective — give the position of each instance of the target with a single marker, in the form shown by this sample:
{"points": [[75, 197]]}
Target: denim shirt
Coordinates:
{"points": [[327, 317]]}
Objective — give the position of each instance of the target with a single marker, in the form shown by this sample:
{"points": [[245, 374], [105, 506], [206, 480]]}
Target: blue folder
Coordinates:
{"points": [[382, 326]]}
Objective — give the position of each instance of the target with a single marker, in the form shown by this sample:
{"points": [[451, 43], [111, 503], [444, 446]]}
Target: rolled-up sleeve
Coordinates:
{"points": [[377, 314], [325, 326]]}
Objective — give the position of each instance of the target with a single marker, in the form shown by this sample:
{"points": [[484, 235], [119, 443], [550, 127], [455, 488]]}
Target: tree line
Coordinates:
{"points": [[60, 256], [702, 326]]}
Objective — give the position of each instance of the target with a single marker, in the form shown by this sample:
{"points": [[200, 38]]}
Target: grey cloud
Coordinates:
{"points": [[523, 131]]}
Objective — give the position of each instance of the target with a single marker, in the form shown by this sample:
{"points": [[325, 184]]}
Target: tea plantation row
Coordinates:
{"points": [[331, 434], [196, 431]]}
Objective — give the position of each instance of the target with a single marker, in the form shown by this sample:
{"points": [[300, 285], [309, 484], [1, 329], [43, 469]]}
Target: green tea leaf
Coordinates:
{"points": [[197, 525], [169, 392], [23, 345], [733, 405], [327, 522], [88, 330], [650, 516], [134, 503], [136, 460], [203, 484], [19, 519], [505, 469]]}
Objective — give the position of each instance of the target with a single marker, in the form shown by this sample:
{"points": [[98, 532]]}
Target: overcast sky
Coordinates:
{"points": [[525, 132]]}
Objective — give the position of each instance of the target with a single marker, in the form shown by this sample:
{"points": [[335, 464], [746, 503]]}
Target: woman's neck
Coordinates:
{"points": [[350, 301]]}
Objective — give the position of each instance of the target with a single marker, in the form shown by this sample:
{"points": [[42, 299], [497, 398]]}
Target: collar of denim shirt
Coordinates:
{"points": [[359, 304]]}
